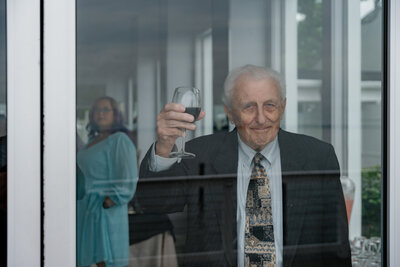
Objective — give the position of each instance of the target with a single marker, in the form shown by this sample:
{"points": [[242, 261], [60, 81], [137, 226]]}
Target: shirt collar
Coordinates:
{"points": [[268, 151]]}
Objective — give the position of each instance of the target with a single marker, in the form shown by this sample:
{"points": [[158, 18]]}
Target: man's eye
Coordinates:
{"points": [[270, 106]]}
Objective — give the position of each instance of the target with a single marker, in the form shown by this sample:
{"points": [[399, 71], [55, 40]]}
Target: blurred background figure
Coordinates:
{"points": [[106, 178], [151, 237]]}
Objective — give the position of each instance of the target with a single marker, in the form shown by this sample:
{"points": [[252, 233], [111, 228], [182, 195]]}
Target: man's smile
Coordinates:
{"points": [[260, 128]]}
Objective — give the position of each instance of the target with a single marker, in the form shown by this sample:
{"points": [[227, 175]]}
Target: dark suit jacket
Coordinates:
{"points": [[314, 217]]}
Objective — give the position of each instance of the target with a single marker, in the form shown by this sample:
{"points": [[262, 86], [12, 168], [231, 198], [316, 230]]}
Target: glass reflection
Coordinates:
{"points": [[139, 51]]}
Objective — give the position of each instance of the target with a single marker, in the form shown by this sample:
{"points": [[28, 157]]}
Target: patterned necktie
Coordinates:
{"points": [[259, 233]]}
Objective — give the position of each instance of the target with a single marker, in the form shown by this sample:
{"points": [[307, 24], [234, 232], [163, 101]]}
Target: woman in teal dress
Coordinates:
{"points": [[107, 178]]}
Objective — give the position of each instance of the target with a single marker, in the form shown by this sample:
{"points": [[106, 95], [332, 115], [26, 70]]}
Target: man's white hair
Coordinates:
{"points": [[251, 72]]}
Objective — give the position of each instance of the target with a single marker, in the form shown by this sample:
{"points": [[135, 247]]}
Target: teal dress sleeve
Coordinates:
{"points": [[125, 170]]}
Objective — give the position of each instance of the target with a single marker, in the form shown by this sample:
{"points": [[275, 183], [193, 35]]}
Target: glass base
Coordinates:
{"points": [[182, 155]]}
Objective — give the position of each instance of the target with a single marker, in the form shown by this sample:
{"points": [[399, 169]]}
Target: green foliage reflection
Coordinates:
{"points": [[310, 35], [371, 201]]}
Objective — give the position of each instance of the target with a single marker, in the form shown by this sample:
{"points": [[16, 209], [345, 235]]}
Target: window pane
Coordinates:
{"points": [[371, 119], [319, 142]]}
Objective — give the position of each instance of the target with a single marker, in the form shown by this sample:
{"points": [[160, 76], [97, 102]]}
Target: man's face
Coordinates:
{"points": [[256, 111]]}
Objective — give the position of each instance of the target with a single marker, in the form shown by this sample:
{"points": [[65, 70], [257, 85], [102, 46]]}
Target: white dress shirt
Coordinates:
{"points": [[272, 165]]}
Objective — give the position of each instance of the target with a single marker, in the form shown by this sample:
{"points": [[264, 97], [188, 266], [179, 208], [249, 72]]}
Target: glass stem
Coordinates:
{"points": [[183, 140]]}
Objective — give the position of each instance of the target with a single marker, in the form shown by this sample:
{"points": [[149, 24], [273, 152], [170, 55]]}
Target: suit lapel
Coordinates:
{"points": [[226, 162], [226, 159], [292, 162], [292, 159]]}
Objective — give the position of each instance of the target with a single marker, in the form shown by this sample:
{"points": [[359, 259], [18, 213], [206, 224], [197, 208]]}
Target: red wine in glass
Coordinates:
{"points": [[195, 111], [190, 98]]}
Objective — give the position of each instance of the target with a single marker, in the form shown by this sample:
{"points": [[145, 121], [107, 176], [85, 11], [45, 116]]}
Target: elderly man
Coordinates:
{"points": [[287, 195]]}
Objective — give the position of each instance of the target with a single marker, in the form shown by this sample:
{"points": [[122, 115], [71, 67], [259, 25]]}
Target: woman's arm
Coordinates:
{"points": [[124, 170]]}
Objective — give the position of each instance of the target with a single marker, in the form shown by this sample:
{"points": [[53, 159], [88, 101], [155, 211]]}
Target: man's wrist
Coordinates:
{"points": [[161, 151], [159, 163]]}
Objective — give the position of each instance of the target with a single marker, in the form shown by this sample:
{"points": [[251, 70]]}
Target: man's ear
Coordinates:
{"points": [[283, 106], [228, 113]]}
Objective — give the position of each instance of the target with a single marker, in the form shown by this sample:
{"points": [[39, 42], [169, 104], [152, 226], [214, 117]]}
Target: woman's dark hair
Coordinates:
{"points": [[117, 125]]}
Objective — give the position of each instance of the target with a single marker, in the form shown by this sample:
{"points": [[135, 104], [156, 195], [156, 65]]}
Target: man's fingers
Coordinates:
{"points": [[180, 124], [170, 133], [174, 107], [166, 125], [174, 111], [178, 116], [201, 115]]}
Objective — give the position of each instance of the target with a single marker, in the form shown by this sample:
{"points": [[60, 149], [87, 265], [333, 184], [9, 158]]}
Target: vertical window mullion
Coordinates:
{"points": [[393, 146], [23, 130], [59, 133]]}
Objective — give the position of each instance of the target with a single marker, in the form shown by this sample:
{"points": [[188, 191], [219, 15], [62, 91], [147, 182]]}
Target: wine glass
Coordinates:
{"points": [[357, 245], [190, 98]]}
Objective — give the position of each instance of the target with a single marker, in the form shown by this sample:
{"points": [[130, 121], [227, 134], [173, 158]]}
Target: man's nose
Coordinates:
{"points": [[261, 117]]}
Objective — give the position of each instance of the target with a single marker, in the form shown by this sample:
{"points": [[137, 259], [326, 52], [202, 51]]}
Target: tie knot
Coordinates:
{"points": [[258, 158]]}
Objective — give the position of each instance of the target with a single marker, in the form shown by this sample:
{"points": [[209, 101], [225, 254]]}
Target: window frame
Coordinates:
{"points": [[391, 141], [50, 240], [59, 148], [24, 133]]}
